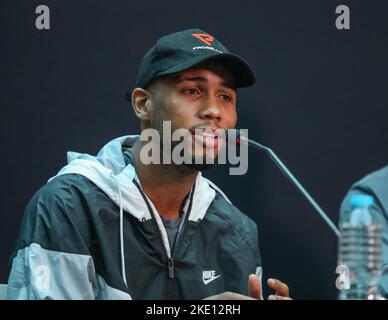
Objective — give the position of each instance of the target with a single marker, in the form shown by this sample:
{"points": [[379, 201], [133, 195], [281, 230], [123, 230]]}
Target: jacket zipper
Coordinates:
{"points": [[170, 259], [171, 270]]}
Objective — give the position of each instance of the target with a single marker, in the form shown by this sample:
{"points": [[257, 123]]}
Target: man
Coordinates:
{"points": [[115, 227], [374, 184]]}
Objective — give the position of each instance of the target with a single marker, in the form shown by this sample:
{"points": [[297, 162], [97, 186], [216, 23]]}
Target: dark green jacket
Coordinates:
{"points": [[91, 233]]}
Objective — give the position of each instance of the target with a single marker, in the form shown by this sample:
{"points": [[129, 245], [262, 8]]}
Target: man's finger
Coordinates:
{"points": [[280, 287], [254, 286]]}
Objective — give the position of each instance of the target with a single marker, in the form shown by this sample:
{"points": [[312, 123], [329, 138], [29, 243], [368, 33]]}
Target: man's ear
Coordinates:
{"points": [[141, 103]]}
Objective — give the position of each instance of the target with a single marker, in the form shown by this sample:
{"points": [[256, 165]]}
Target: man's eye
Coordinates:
{"points": [[192, 91], [226, 97]]}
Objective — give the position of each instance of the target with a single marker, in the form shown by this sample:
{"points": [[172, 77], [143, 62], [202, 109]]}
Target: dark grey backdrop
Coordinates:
{"points": [[320, 101]]}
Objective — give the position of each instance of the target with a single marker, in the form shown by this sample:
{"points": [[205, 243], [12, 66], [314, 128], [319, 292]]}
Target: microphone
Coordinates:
{"points": [[241, 139]]}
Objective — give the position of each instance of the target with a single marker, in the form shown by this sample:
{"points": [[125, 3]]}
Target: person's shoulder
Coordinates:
{"points": [[229, 214], [57, 214], [64, 186], [374, 184], [373, 179], [61, 197]]}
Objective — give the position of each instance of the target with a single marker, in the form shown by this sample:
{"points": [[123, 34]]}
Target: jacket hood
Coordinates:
{"points": [[109, 171]]}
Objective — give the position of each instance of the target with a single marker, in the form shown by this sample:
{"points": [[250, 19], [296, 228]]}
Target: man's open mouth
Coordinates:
{"points": [[206, 137]]}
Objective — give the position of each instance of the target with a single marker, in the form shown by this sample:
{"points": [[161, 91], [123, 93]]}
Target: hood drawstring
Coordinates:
{"points": [[121, 235], [114, 174]]}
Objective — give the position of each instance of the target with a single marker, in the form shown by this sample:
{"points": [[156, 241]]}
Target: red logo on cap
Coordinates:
{"points": [[206, 38]]}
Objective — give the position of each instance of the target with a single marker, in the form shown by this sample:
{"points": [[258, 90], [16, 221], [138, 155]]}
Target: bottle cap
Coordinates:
{"points": [[361, 200]]}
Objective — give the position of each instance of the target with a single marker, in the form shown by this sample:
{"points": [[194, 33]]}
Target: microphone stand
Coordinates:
{"points": [[291, 177]]}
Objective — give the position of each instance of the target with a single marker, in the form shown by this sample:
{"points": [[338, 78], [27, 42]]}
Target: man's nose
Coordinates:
{"points": [[210, 110]]}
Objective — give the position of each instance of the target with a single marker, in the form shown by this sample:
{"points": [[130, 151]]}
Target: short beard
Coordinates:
{"points": [[204, 162], [193, 166], [199, 167]]}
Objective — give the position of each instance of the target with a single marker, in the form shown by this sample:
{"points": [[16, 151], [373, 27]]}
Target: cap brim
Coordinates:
{"points": [[240, 69]]}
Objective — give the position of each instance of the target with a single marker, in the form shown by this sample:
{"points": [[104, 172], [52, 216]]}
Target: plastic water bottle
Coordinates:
{"points": [[360, 251]]}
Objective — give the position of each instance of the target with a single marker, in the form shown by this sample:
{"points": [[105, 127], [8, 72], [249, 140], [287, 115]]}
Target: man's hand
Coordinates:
{"points": [[281, 290], [256, 292]]}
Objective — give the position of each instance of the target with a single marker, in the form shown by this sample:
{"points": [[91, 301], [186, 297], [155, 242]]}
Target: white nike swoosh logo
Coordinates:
{"points": [[210, 280]]}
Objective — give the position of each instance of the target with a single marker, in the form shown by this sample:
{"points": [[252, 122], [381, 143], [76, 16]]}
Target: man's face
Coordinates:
{"points": [[198, 99]]}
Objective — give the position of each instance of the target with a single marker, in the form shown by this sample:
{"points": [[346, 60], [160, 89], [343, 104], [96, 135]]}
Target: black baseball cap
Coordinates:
{"points": [[183, 50]]}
